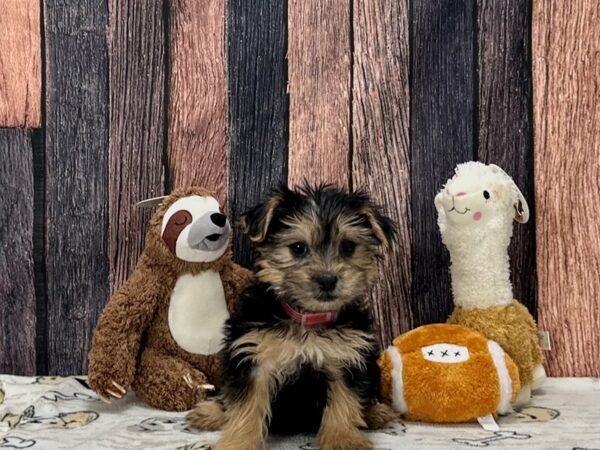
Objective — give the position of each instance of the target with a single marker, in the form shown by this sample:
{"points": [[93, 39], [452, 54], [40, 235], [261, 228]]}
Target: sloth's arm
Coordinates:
{"points": [[117, 337], [235, 278]]}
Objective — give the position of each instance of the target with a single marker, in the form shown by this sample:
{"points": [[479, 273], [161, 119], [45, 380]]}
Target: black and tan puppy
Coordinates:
{"points": [[300, 355]]}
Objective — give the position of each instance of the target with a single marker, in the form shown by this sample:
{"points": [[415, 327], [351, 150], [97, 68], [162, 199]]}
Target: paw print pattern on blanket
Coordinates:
{"points": [[68, 420], [495, 438], [163, 424], [16, 442], [202, 445], [49, 380], [535, 414]]}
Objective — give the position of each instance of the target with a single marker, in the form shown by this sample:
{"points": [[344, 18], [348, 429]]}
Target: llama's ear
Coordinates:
{"points": [[255, 222], [520, 205]]}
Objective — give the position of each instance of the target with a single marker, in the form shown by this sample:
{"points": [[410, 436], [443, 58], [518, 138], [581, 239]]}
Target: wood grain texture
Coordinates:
{"points": [[319, 57], [20, 64], [566, 70], [258, 106], [136, 127], [39, 250], [17, 292], [76, 178], [381, 164], [198, 99], [505, 120], [443, 102]]}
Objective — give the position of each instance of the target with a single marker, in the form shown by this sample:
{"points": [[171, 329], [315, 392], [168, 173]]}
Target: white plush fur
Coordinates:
{"points": [[477, 232], [398, 400], [499, 358], [197, 311]]}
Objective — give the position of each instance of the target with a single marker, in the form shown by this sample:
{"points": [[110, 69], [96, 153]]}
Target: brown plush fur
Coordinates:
{"points": [[512, 327], [132, 344]]}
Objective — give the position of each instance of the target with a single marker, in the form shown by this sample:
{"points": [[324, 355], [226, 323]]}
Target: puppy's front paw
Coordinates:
{"points": [[351, 440], [207, 416], [379, 415]]}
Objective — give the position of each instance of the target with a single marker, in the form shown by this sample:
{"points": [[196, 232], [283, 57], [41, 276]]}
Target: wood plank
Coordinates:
{"points": [[566, 71], [17, 292], [443, 101], [198, 99], [39, 250], [136, 127], [20, 64], [319, 56], [380, 128], [505, 120], [258, 106], [76, 178]]}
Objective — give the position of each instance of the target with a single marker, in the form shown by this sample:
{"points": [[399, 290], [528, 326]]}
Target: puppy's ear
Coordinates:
{"points": [[255, 222], [383, 227]]}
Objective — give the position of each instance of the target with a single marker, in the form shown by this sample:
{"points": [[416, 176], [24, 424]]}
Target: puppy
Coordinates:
{"points": [[300, 354]]}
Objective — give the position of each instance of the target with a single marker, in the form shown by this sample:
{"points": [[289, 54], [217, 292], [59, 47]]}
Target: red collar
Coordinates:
{"points": [[309, 319]]}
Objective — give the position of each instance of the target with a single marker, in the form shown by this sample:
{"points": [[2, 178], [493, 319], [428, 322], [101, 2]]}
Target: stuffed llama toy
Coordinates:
{"points": [[476, 209]]}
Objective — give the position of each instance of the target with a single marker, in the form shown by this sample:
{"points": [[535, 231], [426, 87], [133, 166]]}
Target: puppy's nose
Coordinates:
{"points": [[327, 282], [218, 219]]}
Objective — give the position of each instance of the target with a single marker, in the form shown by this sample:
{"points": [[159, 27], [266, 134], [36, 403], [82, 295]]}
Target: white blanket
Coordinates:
{"points": [[63, 413]]}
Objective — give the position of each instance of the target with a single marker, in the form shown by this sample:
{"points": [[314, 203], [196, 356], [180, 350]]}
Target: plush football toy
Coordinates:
{"points": [[160, 332], [447, 373], [476, 209]]}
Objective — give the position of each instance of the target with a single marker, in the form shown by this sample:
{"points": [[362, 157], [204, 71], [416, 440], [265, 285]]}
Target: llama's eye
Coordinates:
{"points": [[347, 247], [486, 195], [298, 249]]}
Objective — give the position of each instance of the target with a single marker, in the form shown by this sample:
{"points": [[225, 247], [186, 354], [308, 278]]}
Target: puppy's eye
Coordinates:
{"points": [[486, 195], [347, 247], [298, 249]]}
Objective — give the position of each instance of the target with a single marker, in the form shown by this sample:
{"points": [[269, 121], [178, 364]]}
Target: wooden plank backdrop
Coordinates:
{"points": [[258, 106], [442, 111], [17, 308], [567, 173], [76, 178], [20, 64], [505, 120], [319, 55], [380, 144], [197, 96], [137, 118], [237, 96]]}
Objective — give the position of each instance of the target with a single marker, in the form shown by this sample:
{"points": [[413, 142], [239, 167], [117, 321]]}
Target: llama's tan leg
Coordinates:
{"points": [[523, 396], [539, 377], [342, 418]]}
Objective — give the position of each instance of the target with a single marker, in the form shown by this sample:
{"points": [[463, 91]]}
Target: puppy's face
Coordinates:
{"points": [[318, 247]]}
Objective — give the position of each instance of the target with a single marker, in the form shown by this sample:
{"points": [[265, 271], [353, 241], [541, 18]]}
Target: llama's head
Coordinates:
{"points": [[479, 196]]}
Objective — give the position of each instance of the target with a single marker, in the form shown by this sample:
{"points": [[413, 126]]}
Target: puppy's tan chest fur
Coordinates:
{"points": [[283, 352]]}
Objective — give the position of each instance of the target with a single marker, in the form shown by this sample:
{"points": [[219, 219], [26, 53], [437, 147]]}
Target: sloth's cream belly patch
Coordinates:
{"points": [[197, 311]]}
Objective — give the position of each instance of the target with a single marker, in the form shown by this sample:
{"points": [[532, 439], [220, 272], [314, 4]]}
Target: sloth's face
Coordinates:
{"points": [[195, 230]]}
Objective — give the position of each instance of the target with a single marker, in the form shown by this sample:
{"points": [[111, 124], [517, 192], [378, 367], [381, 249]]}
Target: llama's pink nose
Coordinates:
{"points": [[460, 194]]}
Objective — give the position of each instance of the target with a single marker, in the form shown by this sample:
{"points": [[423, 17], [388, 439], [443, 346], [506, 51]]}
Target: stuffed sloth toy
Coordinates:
{"points": [[159, 334]]}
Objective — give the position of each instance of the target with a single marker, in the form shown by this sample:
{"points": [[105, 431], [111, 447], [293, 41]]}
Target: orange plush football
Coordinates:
{"points": [[447, 373]]}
